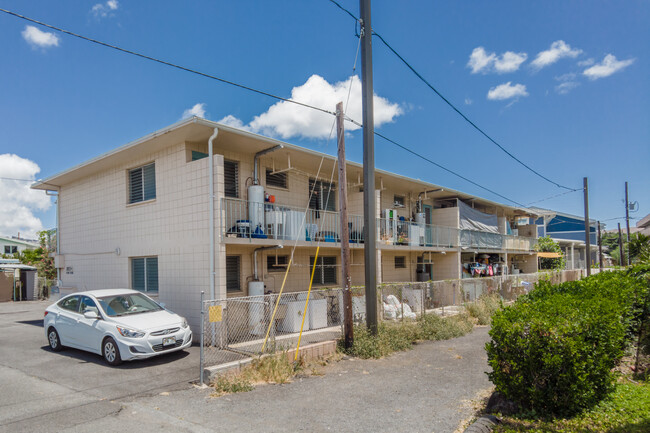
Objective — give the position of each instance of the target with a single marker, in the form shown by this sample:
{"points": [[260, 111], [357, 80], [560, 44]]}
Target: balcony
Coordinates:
{"points": [[279, 222]]}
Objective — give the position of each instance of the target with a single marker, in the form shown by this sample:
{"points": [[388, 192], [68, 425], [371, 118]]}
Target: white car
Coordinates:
{"points": [[119, 324]]}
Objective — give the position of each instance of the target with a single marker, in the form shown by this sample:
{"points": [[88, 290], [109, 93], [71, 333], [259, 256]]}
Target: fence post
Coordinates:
{"points": [[201, 343]]}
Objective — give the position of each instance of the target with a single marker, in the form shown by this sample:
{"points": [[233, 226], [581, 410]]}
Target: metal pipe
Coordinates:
{"points": [[256, 176], [274, 247], [419, 202], [211, 207]]}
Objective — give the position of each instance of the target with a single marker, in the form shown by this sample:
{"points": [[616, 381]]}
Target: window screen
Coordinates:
{"points": [[325, 272], [400, 262], [277, 263], [323, 196], [278, 180], [144, 274], [233, 271], [142, 183], [398, 201], [231, 178]]}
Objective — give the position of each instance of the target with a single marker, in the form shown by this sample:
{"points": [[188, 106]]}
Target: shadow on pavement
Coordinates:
{"points": [[83, 356]]}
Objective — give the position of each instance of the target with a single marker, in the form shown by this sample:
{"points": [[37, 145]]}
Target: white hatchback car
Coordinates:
{"points": [[119, 324]]}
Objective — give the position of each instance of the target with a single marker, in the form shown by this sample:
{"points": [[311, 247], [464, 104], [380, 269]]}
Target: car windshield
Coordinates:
{"points": [[122, 305]]}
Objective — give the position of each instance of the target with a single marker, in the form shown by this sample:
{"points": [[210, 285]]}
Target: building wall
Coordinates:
{"points": [[447, 217], [100, 231], [446, 266]]}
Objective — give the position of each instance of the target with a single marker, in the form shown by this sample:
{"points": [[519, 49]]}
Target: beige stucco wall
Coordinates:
{"points": [[447, 217]]}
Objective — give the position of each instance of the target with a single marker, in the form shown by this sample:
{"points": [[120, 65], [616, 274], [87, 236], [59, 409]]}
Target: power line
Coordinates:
{"points": [[408, 65], [173, 65], [554, 196], [19, 180], [253, 90]]}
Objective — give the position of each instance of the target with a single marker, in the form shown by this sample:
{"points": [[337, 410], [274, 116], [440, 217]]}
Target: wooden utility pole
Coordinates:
{"points": [[369, 201], [587, 228], [627, 224], [345, 231], [620, 246], [600, 248]]}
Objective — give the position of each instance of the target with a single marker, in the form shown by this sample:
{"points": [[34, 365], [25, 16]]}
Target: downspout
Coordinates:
{"points": [[211, 207], [255, 273], [256, 176], [419, 202], [58, 244]]}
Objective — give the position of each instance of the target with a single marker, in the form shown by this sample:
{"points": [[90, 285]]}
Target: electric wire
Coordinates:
{"points": [[164, 62], [450, 104], [556, 195]]}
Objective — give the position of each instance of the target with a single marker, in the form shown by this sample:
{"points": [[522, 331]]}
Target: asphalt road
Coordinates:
{"points": [[427, 389]]}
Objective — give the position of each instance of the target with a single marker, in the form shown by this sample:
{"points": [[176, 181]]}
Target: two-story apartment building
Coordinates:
{"points": [[141, 215]]}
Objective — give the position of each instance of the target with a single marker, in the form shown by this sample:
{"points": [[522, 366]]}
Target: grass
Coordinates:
{"points": [[483, 309], [627, 410]]}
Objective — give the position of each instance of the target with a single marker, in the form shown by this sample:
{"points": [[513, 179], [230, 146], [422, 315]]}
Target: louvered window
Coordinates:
{"points": [[233, 272], [142, 183], [323, 196], [325, 272], [144, 274], [400, 262], [278, 180], [277, 263], [231, 178]]}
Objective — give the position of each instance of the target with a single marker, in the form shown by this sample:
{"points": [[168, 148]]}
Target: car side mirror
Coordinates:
{"points": [[90, 314]]}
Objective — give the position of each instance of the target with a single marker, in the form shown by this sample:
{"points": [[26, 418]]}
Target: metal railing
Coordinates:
{"points": [[243, 219]]}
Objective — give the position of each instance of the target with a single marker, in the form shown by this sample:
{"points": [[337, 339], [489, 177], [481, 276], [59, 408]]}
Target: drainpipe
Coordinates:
{"points": [[419, 202], [274, 247], [256, 177], [211, 207], [58, 237]]}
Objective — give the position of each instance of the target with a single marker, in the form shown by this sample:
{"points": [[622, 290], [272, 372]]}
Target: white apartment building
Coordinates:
{"points": [[139, 217]]}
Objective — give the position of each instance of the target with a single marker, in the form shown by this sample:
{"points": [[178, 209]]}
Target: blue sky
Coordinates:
{"points": [[562, 85]]}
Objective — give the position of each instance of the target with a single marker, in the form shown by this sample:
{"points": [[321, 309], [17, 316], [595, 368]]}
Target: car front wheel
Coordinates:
{"points": [[54, 340], [111, 352]]}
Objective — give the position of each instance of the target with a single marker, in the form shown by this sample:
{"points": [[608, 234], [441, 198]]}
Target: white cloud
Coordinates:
{"points": [[197, 110], [286, 120], [468, 101], [38, 38], [507, 91], [566, 87], [482, 61], [17, 200], [103, 10], [587, 62], [559, 49], [509, 62], [607, 67]]}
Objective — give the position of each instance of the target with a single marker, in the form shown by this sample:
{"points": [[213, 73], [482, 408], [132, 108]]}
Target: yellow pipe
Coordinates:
{"points": [[276, 304], [304, 313]]}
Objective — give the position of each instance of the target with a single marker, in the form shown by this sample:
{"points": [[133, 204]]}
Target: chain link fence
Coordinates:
{"points": [[234, 329]]}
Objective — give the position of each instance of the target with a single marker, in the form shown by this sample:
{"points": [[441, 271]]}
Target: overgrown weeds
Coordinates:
{"points": [[484, 308]]}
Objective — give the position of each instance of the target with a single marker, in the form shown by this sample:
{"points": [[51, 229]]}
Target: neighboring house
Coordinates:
{"points": [[643, 225], [569, 231], [18, 282], [15, 245], [138, 217]]}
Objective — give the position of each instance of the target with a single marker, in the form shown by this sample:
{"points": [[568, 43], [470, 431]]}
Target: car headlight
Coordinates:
{"points": [[126, 332], [184, 323]]}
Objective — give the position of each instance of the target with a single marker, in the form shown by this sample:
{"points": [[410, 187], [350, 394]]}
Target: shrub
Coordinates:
{"points": [[553, 350], [484, 308]]}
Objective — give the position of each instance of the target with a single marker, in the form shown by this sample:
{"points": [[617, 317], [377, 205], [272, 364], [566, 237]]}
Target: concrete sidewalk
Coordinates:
{"points": [[427, 389]]}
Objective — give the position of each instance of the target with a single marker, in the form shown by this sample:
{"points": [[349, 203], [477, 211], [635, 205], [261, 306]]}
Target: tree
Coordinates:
{"points": [[41, 256], [548, 245]]}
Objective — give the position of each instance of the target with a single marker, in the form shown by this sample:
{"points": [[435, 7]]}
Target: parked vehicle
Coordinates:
{"points": [[119, 324]]}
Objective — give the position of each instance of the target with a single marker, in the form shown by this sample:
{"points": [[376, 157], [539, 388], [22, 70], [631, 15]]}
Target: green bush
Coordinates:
{"points": [[553, 350]]}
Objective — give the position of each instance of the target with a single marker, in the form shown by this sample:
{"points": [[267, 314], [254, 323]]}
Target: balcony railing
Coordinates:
{"points": [[274, 221]]}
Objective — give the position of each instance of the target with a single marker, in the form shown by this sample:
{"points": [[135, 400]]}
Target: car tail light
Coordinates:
{"points": [[45, 314]]}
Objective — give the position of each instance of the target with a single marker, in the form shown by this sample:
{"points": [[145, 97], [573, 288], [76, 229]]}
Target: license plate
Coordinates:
{"points": [[168, 341]]}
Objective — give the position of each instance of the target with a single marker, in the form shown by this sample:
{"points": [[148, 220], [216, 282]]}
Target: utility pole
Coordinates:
{"points": [[587, 228], [620, 246], [369, 205], [345, 231], [627, 223], [600, 248]]}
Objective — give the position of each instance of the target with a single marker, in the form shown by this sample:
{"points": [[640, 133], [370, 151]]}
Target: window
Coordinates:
{"points": [[70, 304], [196, 155], [278, 180], [398, 201], [277, 263], [400, 262], [88, 304], [11, 249], [325, 270], [142, 183], [144, 274], [324, 195], [233, 272], [231, 178]]}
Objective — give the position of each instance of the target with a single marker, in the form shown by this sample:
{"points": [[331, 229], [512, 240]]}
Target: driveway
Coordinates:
{"points": [[47, 391]]}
